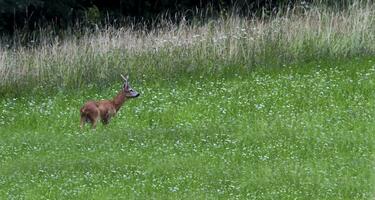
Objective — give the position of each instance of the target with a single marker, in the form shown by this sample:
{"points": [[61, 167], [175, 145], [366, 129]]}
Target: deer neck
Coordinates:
{"points": [[119, 100]]}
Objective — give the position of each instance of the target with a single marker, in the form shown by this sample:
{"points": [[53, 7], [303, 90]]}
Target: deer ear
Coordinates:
{"points": [[126, 85]]}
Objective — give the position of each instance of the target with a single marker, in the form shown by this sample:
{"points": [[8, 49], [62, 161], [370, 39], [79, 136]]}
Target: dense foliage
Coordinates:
{"points": [[31, 14]]}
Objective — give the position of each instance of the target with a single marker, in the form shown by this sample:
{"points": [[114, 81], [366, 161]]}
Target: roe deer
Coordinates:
{"points": [[92, 111]]}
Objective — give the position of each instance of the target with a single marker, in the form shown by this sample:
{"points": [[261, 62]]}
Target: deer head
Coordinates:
{"points": [[129, 92]]}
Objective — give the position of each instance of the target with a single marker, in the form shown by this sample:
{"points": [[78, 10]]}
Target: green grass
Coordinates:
{"points": [[299, 132]]}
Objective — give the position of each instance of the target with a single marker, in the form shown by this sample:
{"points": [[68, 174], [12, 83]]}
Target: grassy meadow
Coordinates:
{"points": [[230, 108]]}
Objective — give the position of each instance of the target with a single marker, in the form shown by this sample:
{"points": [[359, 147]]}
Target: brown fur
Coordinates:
{"points": [[92, 111]]}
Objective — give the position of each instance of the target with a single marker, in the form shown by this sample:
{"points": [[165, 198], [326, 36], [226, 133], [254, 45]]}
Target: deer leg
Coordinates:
{"points": [[105, 121], [83, 120], [94, 119], [94, 122], [105, 118]]}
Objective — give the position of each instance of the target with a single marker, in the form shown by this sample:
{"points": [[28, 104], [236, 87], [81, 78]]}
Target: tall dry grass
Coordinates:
{"points": [[228, 44]]}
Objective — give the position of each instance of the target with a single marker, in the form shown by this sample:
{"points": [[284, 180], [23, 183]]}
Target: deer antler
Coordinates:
{"points": [[125, 78]]}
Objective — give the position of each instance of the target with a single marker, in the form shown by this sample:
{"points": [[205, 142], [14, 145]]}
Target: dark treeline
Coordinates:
{"points": [[30, 14]]}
